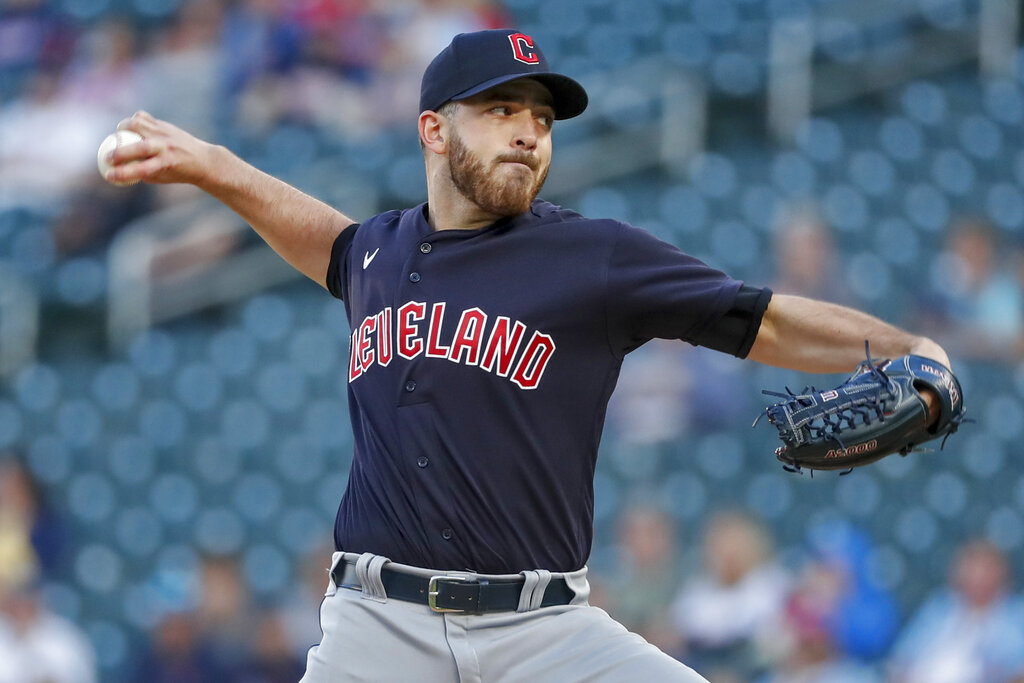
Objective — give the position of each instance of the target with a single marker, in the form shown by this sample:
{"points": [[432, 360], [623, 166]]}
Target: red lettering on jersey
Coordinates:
{"points": [[468, 337], [535, 359], [434, 347], [410, 344], [521, 43], [365, 348], [384, 332], [503, 345], [416, 327], [354, 368]]}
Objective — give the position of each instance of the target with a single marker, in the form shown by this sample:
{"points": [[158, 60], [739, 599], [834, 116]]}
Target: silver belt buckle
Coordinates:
{"points": [[432, 591]]}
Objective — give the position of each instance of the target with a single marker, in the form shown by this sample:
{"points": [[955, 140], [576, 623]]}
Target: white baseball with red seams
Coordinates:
{"points": [[110, 143]]}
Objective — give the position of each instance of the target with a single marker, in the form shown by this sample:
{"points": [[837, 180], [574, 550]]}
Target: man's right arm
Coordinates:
{"points": [[300, 228]]}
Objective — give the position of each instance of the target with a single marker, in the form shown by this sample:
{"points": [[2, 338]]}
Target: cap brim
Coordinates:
{"points": [[569, 97]]}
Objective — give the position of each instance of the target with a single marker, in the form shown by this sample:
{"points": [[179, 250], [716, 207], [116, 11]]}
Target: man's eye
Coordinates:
{"points": [[545, 121], [500, 110]]}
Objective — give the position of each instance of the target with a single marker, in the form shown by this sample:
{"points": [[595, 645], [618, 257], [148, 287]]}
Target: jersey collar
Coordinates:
{"points": [[538, 209]]}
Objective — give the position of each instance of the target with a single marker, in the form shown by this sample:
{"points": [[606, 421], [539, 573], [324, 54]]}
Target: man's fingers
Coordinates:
{"points": [[134, 170], [136, 121], [134, 151], [933, 404], [166, 154]]}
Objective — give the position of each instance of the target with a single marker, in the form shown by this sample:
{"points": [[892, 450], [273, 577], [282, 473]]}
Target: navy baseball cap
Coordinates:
{"points": [[474, 62]]}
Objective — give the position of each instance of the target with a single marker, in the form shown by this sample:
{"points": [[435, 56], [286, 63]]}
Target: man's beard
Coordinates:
{"points": [[484, 187]]}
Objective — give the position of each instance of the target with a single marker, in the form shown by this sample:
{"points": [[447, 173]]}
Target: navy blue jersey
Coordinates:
{"points": [[480, 368]]}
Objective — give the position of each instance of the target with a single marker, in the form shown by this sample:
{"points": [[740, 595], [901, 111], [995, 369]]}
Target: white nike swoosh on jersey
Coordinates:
{"points": [[369, 257]]}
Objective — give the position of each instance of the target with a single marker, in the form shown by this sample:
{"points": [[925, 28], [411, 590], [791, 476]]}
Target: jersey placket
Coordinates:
{"points": [[422, 451]]}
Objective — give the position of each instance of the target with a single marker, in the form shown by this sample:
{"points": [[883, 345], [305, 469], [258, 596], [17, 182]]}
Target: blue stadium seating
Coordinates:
{"points": [[231, 435]]}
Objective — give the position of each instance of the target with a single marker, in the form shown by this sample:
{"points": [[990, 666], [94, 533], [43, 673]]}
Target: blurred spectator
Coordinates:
{"points": [[347, 35], [225, 615], [180, 77], [18, 561], [315, 63], [329, 88], [427, 26], [212, 637], [47, 145], [96, 212], [647, 573], [724, 610], [272, 659], [261, 39], [48, 139], [718, 395], [976, 304], [649, 406], [811, 650], [175, 655], [31, 532], [104, 72], [36, 645], [972, 632], [423, 28], [807, 262], [33, 36], [861, 616], [301, 609], [103, 77]]}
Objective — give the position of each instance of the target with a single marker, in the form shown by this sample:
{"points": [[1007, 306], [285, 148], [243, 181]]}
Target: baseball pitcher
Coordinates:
{"points": [[488, 330]]}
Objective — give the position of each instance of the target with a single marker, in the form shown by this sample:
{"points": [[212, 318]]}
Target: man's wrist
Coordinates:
{"points": [[927, 348], [215, 173]]}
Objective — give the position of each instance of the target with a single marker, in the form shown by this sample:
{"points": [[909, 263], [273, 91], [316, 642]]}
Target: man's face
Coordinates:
{"points": [[499, 150]]}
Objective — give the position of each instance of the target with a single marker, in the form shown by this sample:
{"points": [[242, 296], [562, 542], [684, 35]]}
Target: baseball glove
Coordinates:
{"points": [[878, 410]]}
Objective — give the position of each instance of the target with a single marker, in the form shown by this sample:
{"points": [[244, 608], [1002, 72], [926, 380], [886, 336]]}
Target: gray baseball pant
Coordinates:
{"points": [[367, 637]]}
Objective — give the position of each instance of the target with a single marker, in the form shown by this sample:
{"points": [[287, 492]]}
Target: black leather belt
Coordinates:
{"points": [[445, 593]]}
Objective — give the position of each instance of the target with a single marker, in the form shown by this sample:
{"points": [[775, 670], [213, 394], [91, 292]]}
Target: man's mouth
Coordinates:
{"points": [[528, 163]]}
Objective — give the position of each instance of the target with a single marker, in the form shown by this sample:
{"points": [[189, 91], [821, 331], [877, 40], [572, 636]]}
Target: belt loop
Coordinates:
{"points": [[577, 581], [368, 568], [333, 572], [333, 578], [535, 582]]}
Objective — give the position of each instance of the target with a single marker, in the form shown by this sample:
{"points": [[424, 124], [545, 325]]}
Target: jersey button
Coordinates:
{"points": [[414, 277], [426, 247], [447, 534], [410, 385], [422, 461]]}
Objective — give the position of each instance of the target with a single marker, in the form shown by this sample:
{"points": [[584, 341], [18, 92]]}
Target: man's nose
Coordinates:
{"points": [[525, 135]]}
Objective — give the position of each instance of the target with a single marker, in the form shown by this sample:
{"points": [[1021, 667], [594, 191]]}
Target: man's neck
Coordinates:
{"points": [[448, 209]]}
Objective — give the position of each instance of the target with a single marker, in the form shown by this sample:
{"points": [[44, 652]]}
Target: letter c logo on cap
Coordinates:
{"points": [[521, 43]]}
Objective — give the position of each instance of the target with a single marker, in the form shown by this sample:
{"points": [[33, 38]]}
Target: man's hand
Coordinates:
{"points": [[167, 154], [928, 349]]}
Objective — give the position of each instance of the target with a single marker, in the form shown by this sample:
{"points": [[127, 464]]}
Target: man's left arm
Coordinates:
{"points": [[819, 337]]}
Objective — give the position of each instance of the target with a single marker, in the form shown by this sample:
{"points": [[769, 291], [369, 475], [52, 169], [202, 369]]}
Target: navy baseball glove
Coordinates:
{"points": [[878, 410]]}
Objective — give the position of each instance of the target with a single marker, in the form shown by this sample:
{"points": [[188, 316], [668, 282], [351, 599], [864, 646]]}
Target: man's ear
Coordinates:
{"points": [[433, 132]]}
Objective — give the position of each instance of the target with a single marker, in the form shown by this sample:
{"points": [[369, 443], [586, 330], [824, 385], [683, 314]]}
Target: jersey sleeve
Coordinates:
{"points": [[655, 290], [337, 270]]}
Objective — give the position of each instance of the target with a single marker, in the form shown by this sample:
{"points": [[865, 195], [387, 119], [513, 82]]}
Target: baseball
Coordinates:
{"points": [[110, 143]]}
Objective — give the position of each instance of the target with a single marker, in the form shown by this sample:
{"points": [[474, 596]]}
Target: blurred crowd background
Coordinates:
{"points": [[173, 423]]}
